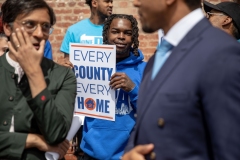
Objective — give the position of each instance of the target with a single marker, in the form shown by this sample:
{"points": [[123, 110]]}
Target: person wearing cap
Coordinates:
{"points": [[224, 15]]}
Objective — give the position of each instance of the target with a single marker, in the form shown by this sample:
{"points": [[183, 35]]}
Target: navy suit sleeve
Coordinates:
{"points": [[220, 90]]}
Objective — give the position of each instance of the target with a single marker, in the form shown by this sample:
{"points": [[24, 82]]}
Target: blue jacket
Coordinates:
{"points": [[103, 139], [48, 50]]}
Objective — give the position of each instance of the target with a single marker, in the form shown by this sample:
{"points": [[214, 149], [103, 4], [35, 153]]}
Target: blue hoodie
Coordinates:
{"points": [[106, 140]]}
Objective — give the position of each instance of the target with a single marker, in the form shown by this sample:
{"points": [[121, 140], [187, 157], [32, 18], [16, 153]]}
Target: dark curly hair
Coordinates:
{"points": [[135, 29], [89, 2]]}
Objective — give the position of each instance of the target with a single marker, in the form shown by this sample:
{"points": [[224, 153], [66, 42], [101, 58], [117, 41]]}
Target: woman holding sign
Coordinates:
{"points": [[104, 139]]}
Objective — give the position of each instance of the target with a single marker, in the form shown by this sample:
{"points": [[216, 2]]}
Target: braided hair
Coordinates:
{"points": [[135, 29]]}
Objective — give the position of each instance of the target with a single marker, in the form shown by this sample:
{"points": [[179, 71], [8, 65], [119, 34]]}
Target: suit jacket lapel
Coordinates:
{"points": [[178, 53]]}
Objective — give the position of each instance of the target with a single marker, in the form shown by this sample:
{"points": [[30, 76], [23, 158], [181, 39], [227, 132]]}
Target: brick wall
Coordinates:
{"points": [[70, 11]]}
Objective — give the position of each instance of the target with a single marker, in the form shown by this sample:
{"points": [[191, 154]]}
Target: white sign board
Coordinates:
{"points": [[93, 66]]}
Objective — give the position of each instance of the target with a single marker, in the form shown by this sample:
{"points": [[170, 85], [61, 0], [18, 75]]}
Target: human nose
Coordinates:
{"points": [[38, 32], [136, 3], [110, 4], [121, 36]]}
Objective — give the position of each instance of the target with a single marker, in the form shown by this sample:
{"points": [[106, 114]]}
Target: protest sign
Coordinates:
{"points": [[93, 66]]}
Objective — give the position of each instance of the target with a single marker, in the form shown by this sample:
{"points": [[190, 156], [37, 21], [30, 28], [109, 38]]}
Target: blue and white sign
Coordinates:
{"points": [[93, 66]]}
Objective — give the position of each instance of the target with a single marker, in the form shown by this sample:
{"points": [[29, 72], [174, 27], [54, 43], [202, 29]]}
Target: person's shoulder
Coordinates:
{"points": [[51, 67], [217, 35], [79, 23], [215, 40]]}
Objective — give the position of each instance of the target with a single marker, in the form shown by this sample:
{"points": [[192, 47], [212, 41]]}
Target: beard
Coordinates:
{"points": [[147, 29], [102, 15]]}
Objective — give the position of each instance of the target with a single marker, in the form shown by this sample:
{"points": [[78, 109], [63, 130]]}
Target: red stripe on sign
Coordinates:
{"points": [[78, 46], [94, 115]]}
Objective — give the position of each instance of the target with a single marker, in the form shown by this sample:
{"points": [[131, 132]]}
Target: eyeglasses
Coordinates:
{"points": [[208, 14], [31, 26]]}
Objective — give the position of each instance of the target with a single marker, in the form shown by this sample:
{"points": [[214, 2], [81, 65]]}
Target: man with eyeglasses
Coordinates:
{"points": [[225, 16], [36, 95]]}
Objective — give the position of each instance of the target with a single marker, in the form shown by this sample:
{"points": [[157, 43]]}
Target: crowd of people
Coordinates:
{"points": [[181, 104]]}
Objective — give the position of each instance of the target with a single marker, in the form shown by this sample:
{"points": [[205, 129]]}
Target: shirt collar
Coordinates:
{"points": [[183, 26], [16, 66]]}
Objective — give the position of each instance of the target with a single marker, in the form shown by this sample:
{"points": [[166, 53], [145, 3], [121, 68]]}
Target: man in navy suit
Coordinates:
{"points": [[189, 110]]}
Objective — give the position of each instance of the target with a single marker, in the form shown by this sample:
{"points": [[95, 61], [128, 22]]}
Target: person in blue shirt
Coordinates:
{"points": [[48, 50], [87, 31]]}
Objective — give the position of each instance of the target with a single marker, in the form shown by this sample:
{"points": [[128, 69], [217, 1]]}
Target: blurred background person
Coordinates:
{"points": [[3, 43], [225, 16], [3, 38]]}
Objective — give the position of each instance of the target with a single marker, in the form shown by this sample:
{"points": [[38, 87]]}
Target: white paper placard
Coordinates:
{"points": [[93, 66]]}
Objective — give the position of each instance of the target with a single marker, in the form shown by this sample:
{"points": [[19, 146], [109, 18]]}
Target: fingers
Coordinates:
{"points": [[63, 148], [121, 80], [117, 83], [65, 62], [144, 149], [15, 43], [117, 74], [138, 153], [116, 77], [65, 145], [20, 37], [26, 36], [42, 46]]}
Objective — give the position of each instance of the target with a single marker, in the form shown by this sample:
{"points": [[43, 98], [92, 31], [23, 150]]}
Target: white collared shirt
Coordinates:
{"points": [[179, 30], [20, 73], [183, 26], [16, 66]]}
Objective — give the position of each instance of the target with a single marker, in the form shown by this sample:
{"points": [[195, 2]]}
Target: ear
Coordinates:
{"points": [[227, 21], [7, 28], [170, 2], [94, 3]]}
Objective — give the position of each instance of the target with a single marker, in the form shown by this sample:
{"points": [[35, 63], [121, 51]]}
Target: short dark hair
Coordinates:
{"points": [[12, 8], [135, 29], [193, 4], [89, 2]]}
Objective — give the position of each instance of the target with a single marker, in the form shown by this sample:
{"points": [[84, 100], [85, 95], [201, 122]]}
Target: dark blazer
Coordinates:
{"points": [[48, 114], [191, 110]]}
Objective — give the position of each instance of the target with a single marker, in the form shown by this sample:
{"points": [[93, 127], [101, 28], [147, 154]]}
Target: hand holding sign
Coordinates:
{"points": [[93, 68], [121, 80]]}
